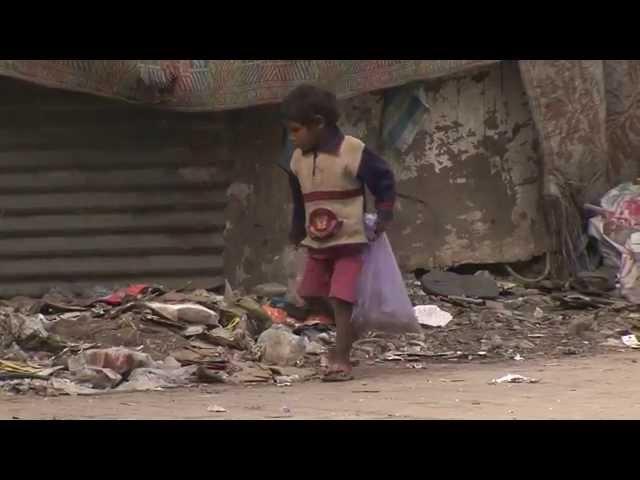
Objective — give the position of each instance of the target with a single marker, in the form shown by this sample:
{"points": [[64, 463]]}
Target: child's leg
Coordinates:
{"points": [[343, 296], [340, 360]]}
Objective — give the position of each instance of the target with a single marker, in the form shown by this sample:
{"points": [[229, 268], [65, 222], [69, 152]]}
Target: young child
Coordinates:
{"points": [[328, 172]]}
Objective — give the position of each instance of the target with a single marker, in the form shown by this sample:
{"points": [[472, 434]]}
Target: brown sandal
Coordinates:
{"points": [[337, 376]]}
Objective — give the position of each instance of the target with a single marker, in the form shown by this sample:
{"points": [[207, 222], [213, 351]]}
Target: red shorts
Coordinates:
{"points": [[332, 275]]}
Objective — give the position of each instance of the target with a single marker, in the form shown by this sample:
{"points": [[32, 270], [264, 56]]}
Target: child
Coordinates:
{"points": [[328, 172]]}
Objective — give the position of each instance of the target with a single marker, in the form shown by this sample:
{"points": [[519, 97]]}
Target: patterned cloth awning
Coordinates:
{"points": [[209, 85]]}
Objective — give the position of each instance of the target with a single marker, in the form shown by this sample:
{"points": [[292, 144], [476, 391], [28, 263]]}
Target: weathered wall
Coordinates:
{"points": [[475, 165], [472, 171]]}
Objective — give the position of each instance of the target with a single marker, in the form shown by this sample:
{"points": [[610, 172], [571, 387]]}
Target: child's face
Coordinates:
{"points": [[304, 137]]}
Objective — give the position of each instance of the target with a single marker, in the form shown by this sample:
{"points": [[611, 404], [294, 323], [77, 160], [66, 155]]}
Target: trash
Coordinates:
{"points": [[119, 359], [314, 348], [278, 316], [186, 313], [432, 315], [538, 313], [630, 341], [95, 377], [216, 409], [270, 290], [206, 375], [382, 305], [518, 357], [252, 373], [194, 330], [449, 284], [144, 379], [64, 385], [281, 347], [18, 327], [118, 296], [14, 370], [221, 336], [511, 378]]}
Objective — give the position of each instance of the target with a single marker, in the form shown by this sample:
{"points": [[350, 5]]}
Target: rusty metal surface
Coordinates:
{"points": [[98, 193]]}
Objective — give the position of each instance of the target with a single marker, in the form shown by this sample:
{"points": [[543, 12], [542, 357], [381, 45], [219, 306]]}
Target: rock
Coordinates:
{"points": [[270, 290], [280, 346], [452, 284]]}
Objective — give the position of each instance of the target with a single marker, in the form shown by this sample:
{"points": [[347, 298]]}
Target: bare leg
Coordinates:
{"points": [[340, 358]]}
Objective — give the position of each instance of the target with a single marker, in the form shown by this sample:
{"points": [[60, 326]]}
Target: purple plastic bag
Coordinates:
{"points": [[383, 302]]}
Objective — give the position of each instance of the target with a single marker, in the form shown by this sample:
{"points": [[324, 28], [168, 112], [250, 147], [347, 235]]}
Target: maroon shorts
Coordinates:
{"points": [[332, 275]]}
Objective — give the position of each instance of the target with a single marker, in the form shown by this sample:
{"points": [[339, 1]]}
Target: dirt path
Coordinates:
{"points": [[601, 387]]}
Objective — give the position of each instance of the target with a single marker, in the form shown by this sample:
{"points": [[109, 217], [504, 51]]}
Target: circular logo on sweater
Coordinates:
{"points": [[323, 224]]}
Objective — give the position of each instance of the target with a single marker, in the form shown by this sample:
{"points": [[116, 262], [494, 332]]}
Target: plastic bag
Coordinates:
{"points": [[383, 302]]}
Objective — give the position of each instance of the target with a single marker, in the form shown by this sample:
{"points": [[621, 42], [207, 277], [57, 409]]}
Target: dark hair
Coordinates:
{"points": [[306, 102]]}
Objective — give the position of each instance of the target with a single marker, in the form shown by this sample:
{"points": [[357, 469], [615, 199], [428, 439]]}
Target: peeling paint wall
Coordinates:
{"points": [[473, 172], [470, 180]]}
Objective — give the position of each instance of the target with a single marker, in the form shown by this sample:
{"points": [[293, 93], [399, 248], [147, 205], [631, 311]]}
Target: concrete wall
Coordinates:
{"points": [[473, 172]]}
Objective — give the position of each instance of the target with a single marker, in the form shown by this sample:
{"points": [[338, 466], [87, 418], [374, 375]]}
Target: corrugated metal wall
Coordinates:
{"points": [[99, 193]]}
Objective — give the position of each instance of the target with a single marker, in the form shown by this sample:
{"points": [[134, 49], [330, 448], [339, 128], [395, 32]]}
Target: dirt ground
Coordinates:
{"points": [[598, 387]]}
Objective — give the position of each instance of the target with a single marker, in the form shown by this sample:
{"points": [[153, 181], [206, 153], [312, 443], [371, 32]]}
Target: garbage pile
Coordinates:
{"points": [[146, 338]]}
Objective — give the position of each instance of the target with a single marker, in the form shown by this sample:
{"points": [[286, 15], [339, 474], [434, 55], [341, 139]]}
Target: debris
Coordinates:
{"points": [[143, 379], [270, 290], [518, 357], [511, 378], [117, 298], [449, 284], [185, 313], [221, 336], [277, 315], [314, 348], [64, 385], [250, 374], [206, 375], [281, 347], [194, 330], [630, 341], [20, 328], [216, 409], [95, 377], [432, 315], [538, 313], [119, 359]]}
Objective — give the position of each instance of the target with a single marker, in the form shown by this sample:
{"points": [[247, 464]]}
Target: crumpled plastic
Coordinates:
{"points": [[383, 302]]}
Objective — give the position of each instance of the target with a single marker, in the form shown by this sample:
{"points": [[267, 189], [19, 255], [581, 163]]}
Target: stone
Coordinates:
{"points": [[281, 347]]}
